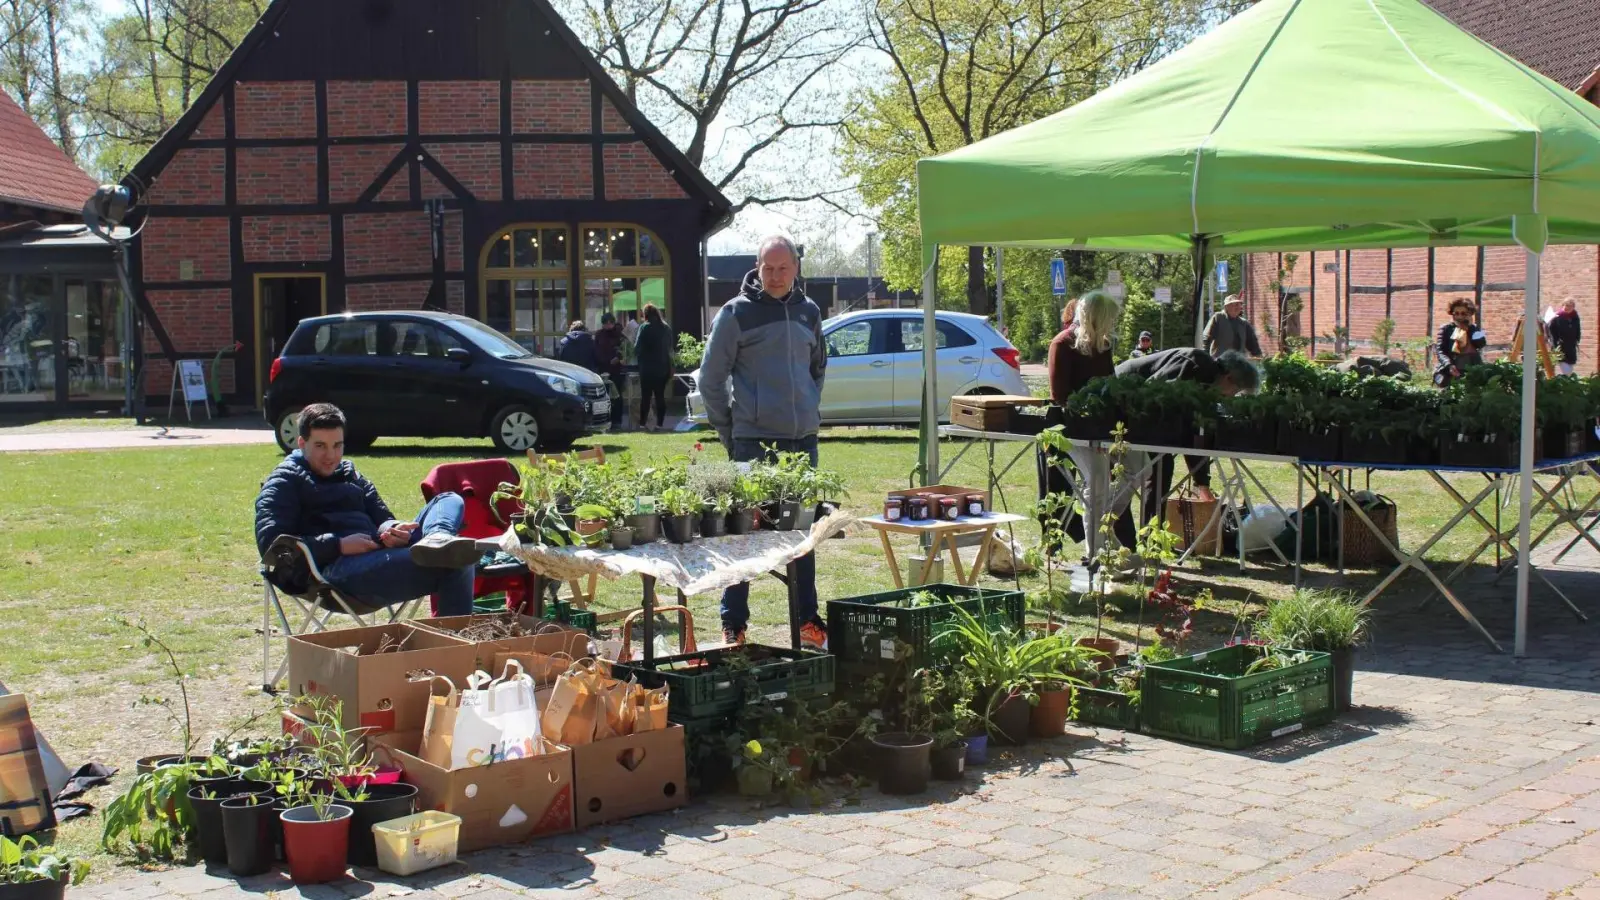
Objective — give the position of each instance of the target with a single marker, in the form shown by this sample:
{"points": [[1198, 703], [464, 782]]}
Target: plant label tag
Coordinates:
{"points": [[647, 506], [886, 649], [777, 695], [1288, 729]]}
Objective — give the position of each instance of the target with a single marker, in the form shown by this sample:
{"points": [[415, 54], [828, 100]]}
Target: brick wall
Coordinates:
{"points": [[455, 294], [553, 171], [399, 187], [458, 107], [1566, 272], [387, 243], [167, 241], [433, 188], [158, 381], [192, 177], [214, 125], [476, 166], [391, 295], [285, 238], [275, 109], [634, 173], [275, 175], [452, 241], [550, 107], [611, 121], [353, 167], [366, 108]]}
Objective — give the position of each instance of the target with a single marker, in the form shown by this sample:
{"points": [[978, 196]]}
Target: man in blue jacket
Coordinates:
{"points": [[317, 496], [761, 380]]}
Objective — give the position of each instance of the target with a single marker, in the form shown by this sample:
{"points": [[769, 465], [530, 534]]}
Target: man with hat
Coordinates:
{"points": [[1146, 344], [1230, 330]]}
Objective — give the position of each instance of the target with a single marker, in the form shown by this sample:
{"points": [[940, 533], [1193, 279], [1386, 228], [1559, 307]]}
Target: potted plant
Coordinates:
{"points": [[316, 835], [1564, 414], [31, 872], [1006, 668], [904, 755], [760, 769], [817, 488], [1327, 621], [248, 836], [951, 720], [373, 793], [1048, 717], [206, 799], [748, 495], [714, 516], [683, 507], [621, 532]]}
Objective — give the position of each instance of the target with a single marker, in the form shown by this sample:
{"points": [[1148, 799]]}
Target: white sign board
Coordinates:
{"points": [[194, 380], [1116, 290], [1164, 295]]}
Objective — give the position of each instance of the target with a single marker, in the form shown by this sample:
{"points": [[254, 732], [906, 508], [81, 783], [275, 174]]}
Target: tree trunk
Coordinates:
{"points": [[979, 303], [58, 94]]}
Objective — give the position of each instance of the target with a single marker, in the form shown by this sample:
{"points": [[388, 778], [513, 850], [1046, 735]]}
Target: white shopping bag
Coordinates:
{"points": [[490, 722]]}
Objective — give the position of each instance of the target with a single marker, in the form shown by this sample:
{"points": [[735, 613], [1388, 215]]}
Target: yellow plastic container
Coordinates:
{"points": [[416, 843]]}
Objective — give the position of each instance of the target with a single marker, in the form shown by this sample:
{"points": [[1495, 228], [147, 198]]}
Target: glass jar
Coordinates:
{"points": [[917, 509], [949, 509], [974, 504], [894, 508]]}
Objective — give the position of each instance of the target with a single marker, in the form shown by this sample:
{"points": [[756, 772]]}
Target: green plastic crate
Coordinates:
{"points": [[1106, 706], [564, 612], [864, 629], [1207, 698], [703, 684]]}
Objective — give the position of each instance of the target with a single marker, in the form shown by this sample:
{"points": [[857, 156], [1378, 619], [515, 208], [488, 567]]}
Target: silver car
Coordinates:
{"points": [[875, 366]]}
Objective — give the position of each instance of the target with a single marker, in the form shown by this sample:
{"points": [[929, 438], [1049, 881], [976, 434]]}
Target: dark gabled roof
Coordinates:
{"points": [[145, 170], [1560, 39], [33, 170]]}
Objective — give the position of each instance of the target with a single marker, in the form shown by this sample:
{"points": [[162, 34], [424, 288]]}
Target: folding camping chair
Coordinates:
{"points": [[288, 562], [476, 482]]}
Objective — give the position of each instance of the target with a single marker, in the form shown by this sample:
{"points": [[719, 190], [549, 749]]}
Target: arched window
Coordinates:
{"points": [[527, 273]]}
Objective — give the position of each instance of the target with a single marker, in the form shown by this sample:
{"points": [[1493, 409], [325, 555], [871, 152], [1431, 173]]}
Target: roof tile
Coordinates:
{"points": [[33, 170], [1557, 38]]}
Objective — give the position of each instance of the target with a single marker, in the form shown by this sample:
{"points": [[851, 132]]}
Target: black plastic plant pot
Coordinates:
{"points": [[1318, 444], [679, 529], [34, 890], [1344, 671], [805, 517], [248, 835], [1088, 428], [384, 802], [713, 524], [788, 517], [950, 763], [1375, 448], [1245, 436], [208, 813], [904, 762], [1008, 725], [621, 537], [1562, 442], [646, 527], [743, 521]]}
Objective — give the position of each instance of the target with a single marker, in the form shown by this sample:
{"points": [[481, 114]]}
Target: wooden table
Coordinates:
{"points": [[944, 535]]}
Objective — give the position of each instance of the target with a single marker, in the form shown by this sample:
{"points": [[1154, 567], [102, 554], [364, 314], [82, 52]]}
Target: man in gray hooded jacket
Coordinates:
{"points": [[761, 381]]}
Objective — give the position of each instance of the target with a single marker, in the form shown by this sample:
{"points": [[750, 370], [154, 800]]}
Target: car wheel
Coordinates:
{"points": [[515, 429], [288, 429]]}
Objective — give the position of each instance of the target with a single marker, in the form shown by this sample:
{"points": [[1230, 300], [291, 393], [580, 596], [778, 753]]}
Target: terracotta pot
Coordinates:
{"points": [[1049, 718], [1008, 724], [1108, 648]]}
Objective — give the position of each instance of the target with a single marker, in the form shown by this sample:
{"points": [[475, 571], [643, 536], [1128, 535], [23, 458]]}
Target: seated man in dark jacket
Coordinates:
{"points": [[317, 495]]}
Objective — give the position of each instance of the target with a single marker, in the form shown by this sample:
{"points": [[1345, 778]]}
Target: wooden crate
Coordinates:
{"points": [[988, 412]]}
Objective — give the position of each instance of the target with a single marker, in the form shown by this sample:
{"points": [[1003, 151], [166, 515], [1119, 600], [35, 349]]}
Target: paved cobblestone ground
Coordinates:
{"points": [[1463, 773]]}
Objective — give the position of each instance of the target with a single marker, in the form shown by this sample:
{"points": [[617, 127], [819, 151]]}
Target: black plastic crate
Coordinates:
{"points": [[721, 681], [866, 629]]}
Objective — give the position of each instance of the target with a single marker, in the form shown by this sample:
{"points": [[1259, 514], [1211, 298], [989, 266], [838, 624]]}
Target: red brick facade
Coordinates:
{"points": [[553, 171], [275, 175], [634, 173], [475, 166], [387, 243], [459, 107], [352, 168], [551, 107], [275, 109], [286, 239], [194, 177], [611, 121], [170, 242], [389, 295], [366, 108]]}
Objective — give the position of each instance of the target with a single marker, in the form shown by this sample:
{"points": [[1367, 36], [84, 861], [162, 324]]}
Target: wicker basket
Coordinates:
{"points": [[1361, 546]]}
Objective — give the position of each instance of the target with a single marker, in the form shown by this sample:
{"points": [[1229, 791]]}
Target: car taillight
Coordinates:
{"points": [[1010, 356], [277, 366]]}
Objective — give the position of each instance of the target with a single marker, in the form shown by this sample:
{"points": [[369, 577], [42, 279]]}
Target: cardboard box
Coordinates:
{"points": [[621, 777], [376, 688], [552, 637], [25, 795], [504, 803]]}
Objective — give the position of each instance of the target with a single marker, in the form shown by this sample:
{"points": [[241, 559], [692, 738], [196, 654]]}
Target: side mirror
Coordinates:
{"points": [[459, 355]]}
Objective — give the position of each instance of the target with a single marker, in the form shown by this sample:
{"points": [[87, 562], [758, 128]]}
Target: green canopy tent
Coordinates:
{"points": [[1296, 125], [654, 290]]}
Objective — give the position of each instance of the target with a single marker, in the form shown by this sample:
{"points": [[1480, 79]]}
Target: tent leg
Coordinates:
{"points": [[930, 370], [1529, 385]]}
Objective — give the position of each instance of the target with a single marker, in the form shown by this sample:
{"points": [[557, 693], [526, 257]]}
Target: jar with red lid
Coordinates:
{"points": [[894, 508], [917, 509], [949, 509], [973, 504]]}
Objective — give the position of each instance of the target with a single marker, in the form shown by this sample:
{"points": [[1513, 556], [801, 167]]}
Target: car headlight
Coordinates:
{"points": [[560, 382]]}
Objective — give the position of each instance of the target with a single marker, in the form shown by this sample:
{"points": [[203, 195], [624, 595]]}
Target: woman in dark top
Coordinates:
{"points": [[1080, 353], [1566, 332], [1461, 342], [654, 351], [608, 350]]}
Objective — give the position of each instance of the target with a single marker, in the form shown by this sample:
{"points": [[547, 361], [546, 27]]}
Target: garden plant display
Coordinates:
{"points": [[28, 869]]}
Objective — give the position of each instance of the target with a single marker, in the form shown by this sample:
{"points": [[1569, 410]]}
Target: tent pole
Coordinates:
{"points": [[1000, 288], [1198, 250], [930, 371], [1530, 369]]}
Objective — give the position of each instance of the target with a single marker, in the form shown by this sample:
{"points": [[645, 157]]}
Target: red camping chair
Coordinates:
{"points": [[476, 482]]}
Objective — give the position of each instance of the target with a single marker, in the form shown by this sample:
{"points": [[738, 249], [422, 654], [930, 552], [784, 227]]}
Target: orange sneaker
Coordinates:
{"points": [[813, 636], [732, 638]]}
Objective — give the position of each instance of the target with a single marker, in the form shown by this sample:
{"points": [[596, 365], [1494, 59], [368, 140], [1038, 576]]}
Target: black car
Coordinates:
{"points": [[426, 374]]}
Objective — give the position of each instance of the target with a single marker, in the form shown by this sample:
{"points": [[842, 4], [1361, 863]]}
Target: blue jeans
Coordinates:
{"points": [[387, 576], [736, 599]]}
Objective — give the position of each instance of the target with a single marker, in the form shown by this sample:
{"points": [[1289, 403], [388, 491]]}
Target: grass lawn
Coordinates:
{"points": [[165, 535]]}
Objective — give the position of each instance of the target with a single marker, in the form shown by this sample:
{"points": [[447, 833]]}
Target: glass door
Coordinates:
{"points": [[94, 347], [30, 322]]}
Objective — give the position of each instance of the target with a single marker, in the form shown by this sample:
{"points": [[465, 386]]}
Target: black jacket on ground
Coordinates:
{"points": [[319, 511], [1177, 364]]}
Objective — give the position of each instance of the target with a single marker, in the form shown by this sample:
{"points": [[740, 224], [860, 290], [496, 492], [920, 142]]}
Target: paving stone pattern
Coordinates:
{"points": [[1463, 773]]}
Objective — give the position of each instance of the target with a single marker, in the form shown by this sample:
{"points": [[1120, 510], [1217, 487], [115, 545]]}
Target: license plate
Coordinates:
{"points": [[602, 407]]}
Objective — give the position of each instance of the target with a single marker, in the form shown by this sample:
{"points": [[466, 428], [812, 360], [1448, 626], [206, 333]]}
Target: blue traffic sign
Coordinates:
{"points": [[1058, 276], [1222, 276]]}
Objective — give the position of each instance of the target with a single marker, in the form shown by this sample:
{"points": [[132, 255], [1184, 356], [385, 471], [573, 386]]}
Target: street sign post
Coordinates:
{"points": [[1164, 295], [1222, 276], [1058, 277]]}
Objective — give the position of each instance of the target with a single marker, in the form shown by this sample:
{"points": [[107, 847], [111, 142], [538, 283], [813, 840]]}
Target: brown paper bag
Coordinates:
{"points": [[650, 710], [616, 716], [543, 668], [570, 716]]}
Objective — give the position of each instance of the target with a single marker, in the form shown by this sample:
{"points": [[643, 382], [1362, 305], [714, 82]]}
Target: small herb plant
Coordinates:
{"points": [[23, 861], [1325, 621]]}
